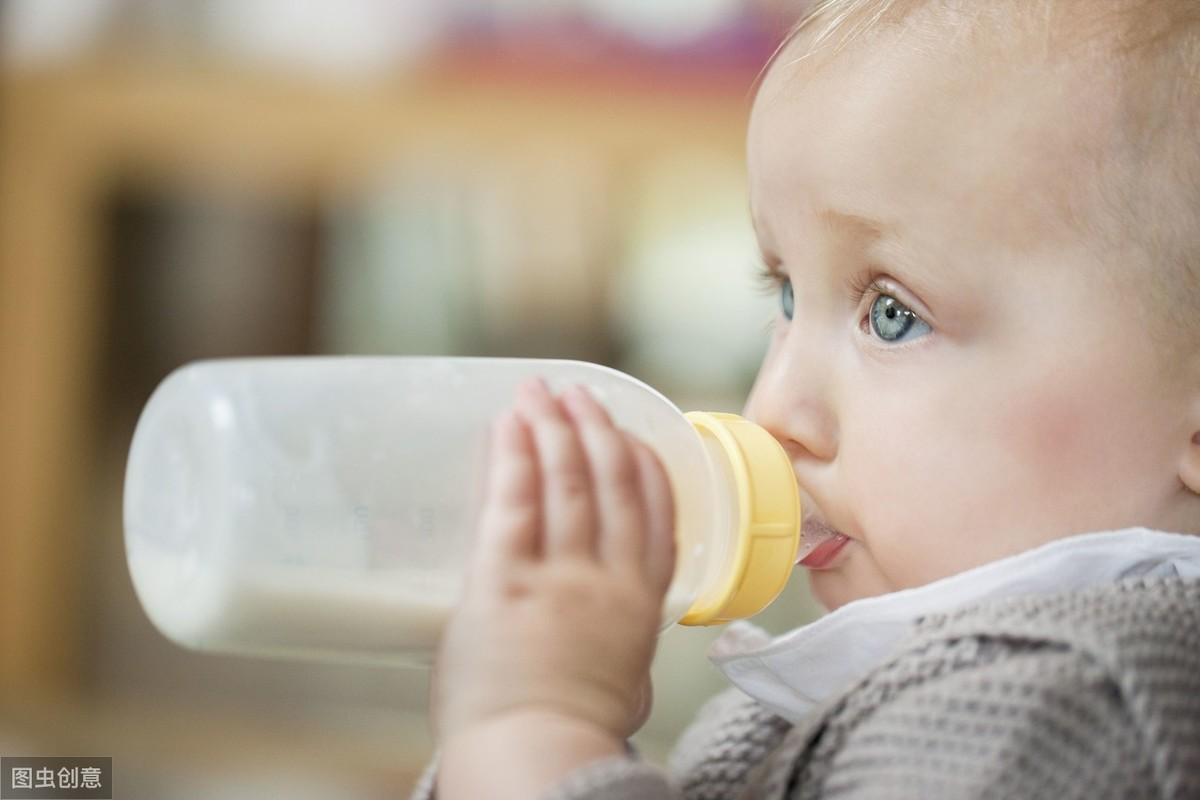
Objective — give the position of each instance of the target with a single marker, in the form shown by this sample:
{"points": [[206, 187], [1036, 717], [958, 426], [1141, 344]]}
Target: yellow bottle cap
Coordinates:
{"points": [[768, 519]]}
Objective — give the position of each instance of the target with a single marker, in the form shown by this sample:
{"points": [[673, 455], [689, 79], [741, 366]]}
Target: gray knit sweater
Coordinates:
{"points": [[1088, 694]]}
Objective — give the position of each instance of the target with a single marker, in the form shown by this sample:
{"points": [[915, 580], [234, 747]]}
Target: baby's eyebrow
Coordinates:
{"points": [[857, 224], [891, 246], [886, 242], [836, 220], [767, 254]]}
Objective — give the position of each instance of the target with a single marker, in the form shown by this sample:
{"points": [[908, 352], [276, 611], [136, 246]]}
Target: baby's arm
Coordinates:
{"points": [[541, 669]]}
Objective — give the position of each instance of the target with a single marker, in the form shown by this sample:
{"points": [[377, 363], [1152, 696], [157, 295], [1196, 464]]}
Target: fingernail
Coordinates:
{"points": [[571, 395], [507, 422], [531, 388], [524, 394]]}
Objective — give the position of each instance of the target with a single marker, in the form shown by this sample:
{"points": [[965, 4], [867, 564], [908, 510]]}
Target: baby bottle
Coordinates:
{"points": [[324, 507]]}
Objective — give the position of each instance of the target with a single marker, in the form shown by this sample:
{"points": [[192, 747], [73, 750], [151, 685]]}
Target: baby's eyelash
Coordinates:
{"points": [[868, 283], [768, 282], [768, 278], [862, 283]]}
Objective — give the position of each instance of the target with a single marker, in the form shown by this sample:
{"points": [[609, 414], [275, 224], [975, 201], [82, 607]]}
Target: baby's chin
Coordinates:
{"points": [[834, 588], [829, 593]]}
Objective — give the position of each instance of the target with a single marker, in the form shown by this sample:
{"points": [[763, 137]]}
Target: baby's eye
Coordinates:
{"points": [[787, 300], [891, 319], [772, 281]]}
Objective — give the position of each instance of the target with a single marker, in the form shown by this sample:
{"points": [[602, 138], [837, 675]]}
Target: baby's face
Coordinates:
{"points": [[993, 391]]}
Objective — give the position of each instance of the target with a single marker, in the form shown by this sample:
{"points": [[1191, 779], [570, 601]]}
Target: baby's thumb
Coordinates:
{"points": [[660, 514]]}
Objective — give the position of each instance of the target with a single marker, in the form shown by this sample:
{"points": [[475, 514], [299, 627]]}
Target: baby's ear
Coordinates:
{"points": [[1189, 467]]}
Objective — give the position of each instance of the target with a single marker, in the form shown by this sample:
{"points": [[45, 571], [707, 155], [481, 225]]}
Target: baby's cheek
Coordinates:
{"points": [[1073, 453], [1044, 435], [918, 489]]}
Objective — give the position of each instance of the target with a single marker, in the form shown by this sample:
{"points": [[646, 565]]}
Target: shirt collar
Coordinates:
{"points": [[791, 673]]}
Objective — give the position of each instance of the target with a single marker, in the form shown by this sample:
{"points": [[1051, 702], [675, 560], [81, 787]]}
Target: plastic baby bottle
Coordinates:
{"points": [[324, 507]]}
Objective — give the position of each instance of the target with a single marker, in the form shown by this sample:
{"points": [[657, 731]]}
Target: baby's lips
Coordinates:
{"points": [[813, 533]]}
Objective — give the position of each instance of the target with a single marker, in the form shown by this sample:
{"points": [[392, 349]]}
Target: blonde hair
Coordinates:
{"points": [[1138, 23], [1152, 197]]}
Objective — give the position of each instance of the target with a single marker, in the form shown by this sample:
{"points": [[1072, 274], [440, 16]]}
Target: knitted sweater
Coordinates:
{"points": [[1087, 694]]}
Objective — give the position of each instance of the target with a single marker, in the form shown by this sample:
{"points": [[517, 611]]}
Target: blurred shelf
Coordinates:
{"points": [[721, 79], [245, 126]]}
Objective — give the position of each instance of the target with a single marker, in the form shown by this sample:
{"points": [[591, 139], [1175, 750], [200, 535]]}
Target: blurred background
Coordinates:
{"points": [[183, 180]]}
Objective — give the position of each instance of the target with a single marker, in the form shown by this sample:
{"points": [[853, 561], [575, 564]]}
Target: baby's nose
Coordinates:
{"points": [[794, 410]]}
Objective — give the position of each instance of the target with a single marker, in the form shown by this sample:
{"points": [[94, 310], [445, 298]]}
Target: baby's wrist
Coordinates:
{"points": [[544, 703], [520, 753], [531, 721]]}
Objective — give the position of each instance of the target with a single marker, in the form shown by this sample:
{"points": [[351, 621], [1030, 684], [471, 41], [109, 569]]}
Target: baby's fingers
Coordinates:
{"points": [[633, 494], [568, 506], [659, 564], [620, 507], [511, 513]]}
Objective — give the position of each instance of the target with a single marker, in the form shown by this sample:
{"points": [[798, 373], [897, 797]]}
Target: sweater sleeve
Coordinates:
{"points": [[981, 718], [616, 777]]}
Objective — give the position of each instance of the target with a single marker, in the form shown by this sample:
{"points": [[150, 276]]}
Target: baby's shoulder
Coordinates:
{"points": [[1031, 696], [1079, 679], [1132, 624], [1138, 640]]}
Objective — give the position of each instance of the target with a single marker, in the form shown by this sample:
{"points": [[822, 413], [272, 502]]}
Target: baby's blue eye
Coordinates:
{"points": [[786, 299], [891, 319]]}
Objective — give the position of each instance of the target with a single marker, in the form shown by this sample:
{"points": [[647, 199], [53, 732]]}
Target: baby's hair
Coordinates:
{"points": [[1137, 24], [1148, 179], [830, 17]]}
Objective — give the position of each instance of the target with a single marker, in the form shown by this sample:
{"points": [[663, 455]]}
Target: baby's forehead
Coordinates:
{"points": [[979, 46], [1015, 143], [1120, 47]]}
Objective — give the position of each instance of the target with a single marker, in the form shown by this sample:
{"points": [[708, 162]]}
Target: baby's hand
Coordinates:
{"points": [[563, 595]]}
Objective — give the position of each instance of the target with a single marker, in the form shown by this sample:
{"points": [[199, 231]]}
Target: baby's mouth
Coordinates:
{"points": [[819, 543]]}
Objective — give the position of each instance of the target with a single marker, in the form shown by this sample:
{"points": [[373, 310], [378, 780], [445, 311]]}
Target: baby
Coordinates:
{"points": [[982, 220]]}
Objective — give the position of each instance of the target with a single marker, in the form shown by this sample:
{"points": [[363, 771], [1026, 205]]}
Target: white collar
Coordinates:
{"points": [[791, 673]]}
